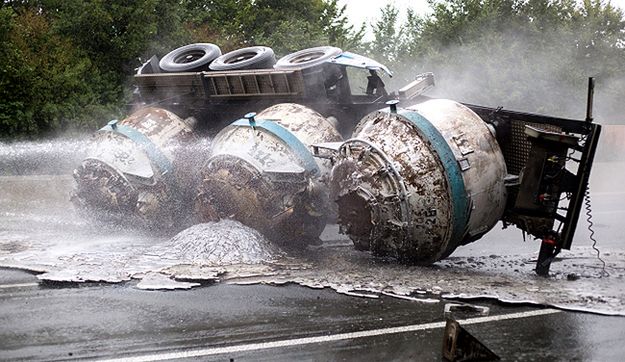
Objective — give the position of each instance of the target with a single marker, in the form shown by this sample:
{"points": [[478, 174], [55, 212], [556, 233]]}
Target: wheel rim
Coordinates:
{"points": [[189, 57], [240, 58], [307, 57]]}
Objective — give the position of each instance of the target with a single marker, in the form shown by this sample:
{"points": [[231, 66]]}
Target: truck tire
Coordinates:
{"points": [[307, 58], [191, 57], [256, 57]]}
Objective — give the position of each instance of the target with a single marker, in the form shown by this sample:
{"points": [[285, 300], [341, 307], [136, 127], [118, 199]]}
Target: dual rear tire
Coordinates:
{"points": [[207, 56], [190, 58]]}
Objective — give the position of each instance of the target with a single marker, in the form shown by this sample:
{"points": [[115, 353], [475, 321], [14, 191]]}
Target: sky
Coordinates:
{"points": [[366, 11]]}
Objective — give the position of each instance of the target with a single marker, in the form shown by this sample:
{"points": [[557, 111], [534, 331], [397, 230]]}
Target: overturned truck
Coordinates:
{"points": [[403, 174]]}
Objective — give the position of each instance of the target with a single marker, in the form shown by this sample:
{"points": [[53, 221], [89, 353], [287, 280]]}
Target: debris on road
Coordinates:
{"points": [[451, 308], [460, 345]]}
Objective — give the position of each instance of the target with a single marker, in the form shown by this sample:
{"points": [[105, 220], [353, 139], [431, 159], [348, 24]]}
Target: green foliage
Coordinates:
{"points": [[42, 87], [116, 33], [284, 25], [531, 55], [335, 25], [67, 64], [386, 37]]}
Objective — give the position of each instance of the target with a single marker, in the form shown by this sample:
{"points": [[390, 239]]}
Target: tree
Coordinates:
{"points": [[68, 63], [115, 34], [41, 77], [531, 55], [284, 25], [385, 44], [335, 25]]}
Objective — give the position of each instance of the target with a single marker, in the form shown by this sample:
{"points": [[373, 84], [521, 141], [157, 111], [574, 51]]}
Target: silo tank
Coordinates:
{"points": [[261, 172], [416, 183], [137, 170]]}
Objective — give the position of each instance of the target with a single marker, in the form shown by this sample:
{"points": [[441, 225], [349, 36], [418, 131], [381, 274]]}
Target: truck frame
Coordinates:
{"points": [[548, 159]]}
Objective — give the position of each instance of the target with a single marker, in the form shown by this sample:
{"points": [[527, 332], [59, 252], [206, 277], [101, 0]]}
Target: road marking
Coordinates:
{"points": [[329, 338], [18, 285]]}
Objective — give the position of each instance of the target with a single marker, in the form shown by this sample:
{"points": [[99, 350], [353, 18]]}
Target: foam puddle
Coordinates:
{"points": [[50, 240], [190, 260], [201, 252]]}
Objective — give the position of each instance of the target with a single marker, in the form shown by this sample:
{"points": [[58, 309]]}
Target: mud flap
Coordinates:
{"points": [[460, 345], [548, 252]]}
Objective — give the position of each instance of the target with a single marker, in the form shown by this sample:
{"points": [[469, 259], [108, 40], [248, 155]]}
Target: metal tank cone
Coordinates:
{"points": [[416, 183], [262, 173], [137, 171]]}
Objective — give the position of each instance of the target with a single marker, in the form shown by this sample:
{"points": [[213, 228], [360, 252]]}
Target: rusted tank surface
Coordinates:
{"points": [[416, 183], [262, 173], [139, 170]]}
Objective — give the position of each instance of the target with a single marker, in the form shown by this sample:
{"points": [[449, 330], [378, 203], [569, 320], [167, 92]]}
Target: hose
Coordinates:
{"points": [[590, 228]]}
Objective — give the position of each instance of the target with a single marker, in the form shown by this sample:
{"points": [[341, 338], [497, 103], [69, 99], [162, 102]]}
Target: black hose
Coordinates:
{"points": [[590, 226]]}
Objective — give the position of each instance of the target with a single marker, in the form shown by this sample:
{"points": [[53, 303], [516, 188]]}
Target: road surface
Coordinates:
{"points": [[222, 322]]}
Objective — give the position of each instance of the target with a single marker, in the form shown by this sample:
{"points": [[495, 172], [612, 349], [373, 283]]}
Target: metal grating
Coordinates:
{"points": [[255, 84], [250, 84], [221, 85], [175, 84], [236, 85], [296, 83], [264, 82], [517, 150], [280, 83]]}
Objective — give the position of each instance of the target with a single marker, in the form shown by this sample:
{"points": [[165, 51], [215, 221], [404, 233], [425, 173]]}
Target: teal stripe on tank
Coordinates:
{"points": [[453, 172], [154, 154], [288, 138]]}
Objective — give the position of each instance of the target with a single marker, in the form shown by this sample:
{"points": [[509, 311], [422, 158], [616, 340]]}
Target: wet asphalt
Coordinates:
{"points": [[220, 322], [229, 322]]}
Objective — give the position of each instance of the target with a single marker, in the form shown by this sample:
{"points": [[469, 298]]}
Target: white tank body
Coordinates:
{"points": [[137, 170], [418, 182], [262, 173]]}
